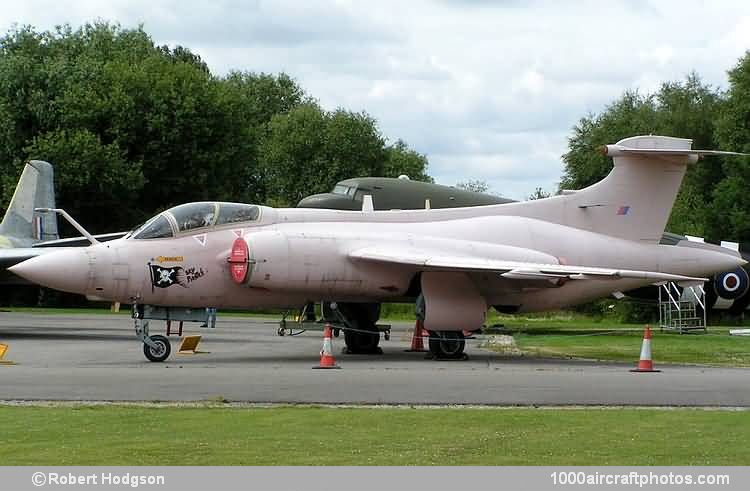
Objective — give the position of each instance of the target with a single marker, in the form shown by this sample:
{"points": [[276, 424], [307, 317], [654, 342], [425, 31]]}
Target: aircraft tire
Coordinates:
{"points": [[447, 345], [364, 336], [161, 354], [359, 343]]}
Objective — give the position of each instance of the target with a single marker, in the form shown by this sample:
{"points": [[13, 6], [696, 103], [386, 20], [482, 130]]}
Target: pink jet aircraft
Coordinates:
{"points": [[458, 262]]}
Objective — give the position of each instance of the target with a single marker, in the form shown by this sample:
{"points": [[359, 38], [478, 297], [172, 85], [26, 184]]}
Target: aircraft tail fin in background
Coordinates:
{"points": [[35, 189], [635, 200]]}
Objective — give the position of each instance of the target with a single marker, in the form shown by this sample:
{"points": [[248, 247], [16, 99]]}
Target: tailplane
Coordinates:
{"points": [[35, 189]]}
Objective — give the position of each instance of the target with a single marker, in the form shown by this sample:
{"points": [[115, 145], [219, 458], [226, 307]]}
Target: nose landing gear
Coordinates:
{"points": [[156, 348], [159, 350]]}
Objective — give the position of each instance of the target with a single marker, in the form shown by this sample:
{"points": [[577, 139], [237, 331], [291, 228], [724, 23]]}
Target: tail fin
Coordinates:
{"points": [[35, 189], [635, 200]]}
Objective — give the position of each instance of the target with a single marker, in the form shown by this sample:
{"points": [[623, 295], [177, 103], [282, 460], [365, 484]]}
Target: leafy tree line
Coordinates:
{"points": [[713, 201], [133, 128]]}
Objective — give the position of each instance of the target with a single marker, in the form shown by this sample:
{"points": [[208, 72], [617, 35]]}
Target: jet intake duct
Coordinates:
{"points": [[264, 256], [452, 302], [316, 263]]}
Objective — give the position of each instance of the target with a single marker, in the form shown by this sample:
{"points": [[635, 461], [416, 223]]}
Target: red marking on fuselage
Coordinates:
{"points": [[239, 261]]}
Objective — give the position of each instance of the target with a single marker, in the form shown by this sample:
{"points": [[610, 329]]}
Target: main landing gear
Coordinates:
{"points": [[358, 321], [362, 335], [447, 345], [443, 345]]}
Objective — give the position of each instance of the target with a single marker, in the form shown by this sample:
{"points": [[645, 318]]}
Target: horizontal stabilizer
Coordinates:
{"points": [[615, 150]]}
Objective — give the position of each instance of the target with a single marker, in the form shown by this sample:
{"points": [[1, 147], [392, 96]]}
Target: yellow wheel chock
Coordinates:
{"points": [[189, 346], [3, 350]]}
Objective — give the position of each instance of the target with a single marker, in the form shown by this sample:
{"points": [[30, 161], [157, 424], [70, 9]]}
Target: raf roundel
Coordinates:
{"points": [[733, 284], [239, 261]]}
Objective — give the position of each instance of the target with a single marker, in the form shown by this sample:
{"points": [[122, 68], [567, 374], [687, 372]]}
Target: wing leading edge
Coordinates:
{"points": [[512, 270]]}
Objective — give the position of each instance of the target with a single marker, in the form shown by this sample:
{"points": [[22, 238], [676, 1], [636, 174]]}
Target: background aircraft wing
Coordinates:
{"points": [[427, 260], [80, 241], [15, 255]]}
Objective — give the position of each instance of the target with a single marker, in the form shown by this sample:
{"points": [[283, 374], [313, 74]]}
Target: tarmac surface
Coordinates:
{"points": [[98, 358]]}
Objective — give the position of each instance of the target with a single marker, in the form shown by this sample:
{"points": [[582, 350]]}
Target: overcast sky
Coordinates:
{"points": [[487, 89]]}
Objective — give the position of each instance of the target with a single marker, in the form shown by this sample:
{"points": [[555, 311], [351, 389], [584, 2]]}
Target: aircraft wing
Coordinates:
{"points": [[514, 270]]}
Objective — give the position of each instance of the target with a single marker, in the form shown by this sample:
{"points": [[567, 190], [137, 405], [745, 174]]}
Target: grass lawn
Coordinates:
{"points": [[137, 435], [622, 342], [549, 320], [717, 348]]}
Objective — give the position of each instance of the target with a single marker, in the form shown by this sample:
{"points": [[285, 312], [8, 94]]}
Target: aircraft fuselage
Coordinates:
{"points": [[297, 259]]}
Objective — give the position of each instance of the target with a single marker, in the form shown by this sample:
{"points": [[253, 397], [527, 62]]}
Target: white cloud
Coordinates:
{"points": [[487, 89], [531, 82]]}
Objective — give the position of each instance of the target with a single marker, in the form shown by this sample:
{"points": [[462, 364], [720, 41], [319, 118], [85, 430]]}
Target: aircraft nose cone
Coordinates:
{"points": [[717, 262], [733, 261], [68, 270]]}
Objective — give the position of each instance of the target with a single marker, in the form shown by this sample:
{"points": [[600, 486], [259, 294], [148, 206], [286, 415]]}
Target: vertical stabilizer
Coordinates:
{"points": [[634, 201], [35, 189]]}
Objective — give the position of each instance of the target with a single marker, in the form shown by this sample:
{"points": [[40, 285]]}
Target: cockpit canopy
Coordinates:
{"points": [[343, 190], [192, 216]]}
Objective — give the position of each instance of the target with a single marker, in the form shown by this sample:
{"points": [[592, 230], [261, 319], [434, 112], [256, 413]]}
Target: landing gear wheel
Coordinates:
{"points": [[447, 345], [160, 352], [358, 342], [363, 335]]}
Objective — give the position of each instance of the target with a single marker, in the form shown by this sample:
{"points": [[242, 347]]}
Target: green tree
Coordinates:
{"points": [[307, 150], [87, 168], [133, 127], [400, 159], [730, 210], [690, 110], [632, 114], [539, 193], [293, 155], [173, 131]]}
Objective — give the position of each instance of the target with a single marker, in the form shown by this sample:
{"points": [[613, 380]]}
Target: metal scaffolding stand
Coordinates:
{"points": [[682, 309]]}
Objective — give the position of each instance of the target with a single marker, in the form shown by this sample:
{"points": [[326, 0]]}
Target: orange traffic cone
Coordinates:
{"points": [[645, 364], [326, 356], [417, 342]]}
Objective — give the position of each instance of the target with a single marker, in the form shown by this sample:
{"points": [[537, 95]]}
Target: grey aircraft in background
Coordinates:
{"points": [[389, 193], [457, 262], [26, 230], [23, 227]]}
